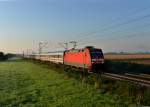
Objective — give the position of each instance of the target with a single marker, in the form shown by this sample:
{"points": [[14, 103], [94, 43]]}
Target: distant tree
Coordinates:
{"points": [[2, 56], [9, 55], [5, 56]]}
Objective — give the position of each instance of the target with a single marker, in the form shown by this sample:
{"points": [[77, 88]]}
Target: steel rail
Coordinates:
{"points": [[135, 80], [138, 76], [145, 75]]}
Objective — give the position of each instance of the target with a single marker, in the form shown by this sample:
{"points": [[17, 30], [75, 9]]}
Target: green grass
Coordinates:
{"points": [[25, 84]]}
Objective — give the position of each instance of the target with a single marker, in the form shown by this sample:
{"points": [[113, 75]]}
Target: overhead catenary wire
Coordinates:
{"points": [[116, 20], [90, 34], [122, 36], [113, 26], [116, 26]]}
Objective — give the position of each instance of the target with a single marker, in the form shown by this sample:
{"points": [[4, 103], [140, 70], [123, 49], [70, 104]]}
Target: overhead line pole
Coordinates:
{"points": [[41, 46], [64, 45], [74, 44]]}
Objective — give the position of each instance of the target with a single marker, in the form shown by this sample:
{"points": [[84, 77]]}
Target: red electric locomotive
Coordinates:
{"points": [[89, 58]]}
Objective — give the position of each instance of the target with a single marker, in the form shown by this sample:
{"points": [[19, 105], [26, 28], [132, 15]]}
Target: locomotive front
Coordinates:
{"points": [[97, 59]]}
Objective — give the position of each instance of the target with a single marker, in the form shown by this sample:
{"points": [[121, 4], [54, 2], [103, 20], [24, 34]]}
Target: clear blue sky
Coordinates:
{"points": [[113, 25]]}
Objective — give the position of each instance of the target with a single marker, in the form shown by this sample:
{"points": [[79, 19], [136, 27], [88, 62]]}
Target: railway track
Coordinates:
{"points": [[141, 76], [133, 78], [145, 75]]}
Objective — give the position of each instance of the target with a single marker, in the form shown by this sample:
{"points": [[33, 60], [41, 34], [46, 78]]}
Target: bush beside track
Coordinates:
{"points": [[121, 67]]}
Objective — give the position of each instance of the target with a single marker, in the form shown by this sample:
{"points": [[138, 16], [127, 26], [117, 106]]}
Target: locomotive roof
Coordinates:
{"points": [[75, 50], [81, 50]]}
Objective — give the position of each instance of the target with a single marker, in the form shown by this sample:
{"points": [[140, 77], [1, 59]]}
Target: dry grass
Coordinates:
{"points": [[132, 58]]}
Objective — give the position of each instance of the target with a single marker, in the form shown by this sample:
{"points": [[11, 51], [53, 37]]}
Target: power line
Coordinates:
{"points": [[120, 18], [118, 25], [65, 45], [137, 27], [142, 34]]}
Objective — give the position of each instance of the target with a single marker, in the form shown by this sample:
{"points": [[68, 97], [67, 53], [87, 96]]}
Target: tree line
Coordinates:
{"points": [[5, 56]]}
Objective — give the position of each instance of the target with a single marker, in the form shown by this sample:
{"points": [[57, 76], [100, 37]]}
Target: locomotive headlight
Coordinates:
{"points": [[93, 59], [93, 62], [103, 62]]}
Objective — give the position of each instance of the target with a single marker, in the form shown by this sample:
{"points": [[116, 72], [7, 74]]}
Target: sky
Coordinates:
{"points": [[113, 25]]}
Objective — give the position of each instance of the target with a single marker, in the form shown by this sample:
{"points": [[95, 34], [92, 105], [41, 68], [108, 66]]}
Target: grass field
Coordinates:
{"points": [[24, 84], [143, 59]]}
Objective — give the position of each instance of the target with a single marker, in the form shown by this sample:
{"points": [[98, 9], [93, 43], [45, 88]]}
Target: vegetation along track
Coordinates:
{"points": [[134, 78]]}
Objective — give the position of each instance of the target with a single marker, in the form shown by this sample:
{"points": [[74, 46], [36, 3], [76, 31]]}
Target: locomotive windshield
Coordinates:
{"points": [[96, 55]]}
